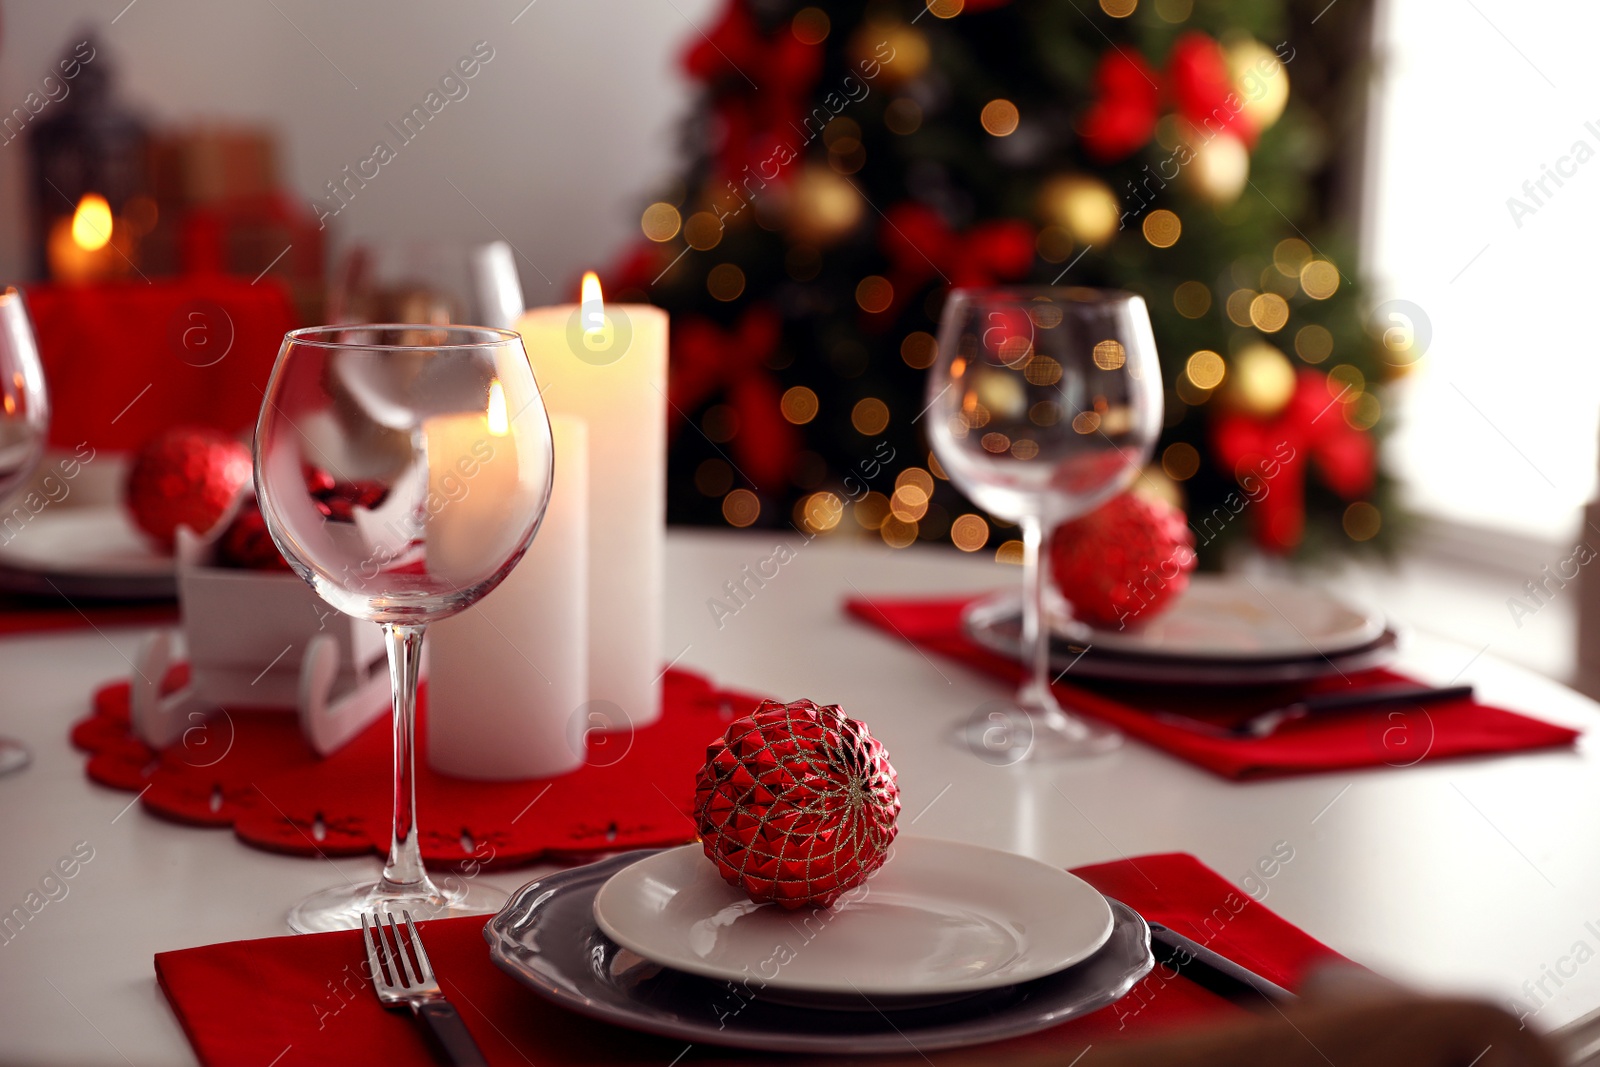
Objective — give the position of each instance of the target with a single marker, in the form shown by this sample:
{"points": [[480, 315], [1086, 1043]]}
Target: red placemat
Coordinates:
{"points": [[254, 771], [1380, 737], [304, 1000]]}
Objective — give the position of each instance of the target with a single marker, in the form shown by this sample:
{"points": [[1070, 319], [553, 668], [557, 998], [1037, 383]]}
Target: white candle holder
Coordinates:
{"points": [[262, 640]]}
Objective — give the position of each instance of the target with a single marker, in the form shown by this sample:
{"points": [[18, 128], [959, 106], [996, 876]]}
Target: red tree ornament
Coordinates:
{"points": [[796, 803], [246, 544], [186, 476], [1123, 564]]}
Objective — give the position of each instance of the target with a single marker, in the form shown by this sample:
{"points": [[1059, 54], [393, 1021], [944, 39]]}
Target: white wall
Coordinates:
{"points": [[560, 134]]}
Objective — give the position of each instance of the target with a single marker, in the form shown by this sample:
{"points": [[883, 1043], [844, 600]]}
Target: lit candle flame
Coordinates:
{"points": [[499, 424], [592, 312], [91, 223]]}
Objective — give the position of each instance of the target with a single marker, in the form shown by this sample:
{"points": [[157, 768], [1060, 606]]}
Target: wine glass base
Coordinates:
{"points": [[341, 907], [1002, 733]]}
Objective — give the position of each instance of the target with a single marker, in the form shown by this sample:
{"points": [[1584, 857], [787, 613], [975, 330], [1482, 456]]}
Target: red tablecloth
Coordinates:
{"points": [[1379, 737], [303, 1000]]}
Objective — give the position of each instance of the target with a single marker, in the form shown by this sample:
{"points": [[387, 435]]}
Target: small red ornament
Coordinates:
{"points": [[1124, 563], [185, 476], [796, 803], [246, 544]]}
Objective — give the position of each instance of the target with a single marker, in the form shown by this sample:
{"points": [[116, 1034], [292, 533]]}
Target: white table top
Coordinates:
{"points": [[1474, 875]]}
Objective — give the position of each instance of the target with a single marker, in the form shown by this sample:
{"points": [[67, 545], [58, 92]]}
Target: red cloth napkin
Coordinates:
{"points": [[1393, 737], [126, 359], [304, 1000]]}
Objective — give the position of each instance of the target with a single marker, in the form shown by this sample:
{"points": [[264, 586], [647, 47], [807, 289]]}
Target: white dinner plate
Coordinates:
{"points": [[1225, 617], [92, 551], [939, 918]]}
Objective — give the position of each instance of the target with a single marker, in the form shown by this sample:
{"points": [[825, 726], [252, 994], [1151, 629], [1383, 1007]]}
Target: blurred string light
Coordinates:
{"points": [[810, 25], [870, 416], [1119, 9], [1162, 228], [1238, 306], [714, 477], [1362, 521], [874, 294], [1269, 312], [1000, 118], [1192, 299], [919, 350], [903, 116], [741, 508], [969, 532], [725, 282], [1180, 461], [660, 222], [1320, 279], [1313, 343], [1009, 552], [799, 405]]}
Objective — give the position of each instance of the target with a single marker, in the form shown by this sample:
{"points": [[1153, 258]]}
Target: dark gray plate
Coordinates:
{"points": [[546, 938]]}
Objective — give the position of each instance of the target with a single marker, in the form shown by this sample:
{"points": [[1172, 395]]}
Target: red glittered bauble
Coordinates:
{"points": [[1123, 564], [796, 804], [186, 476], [247, 544]]}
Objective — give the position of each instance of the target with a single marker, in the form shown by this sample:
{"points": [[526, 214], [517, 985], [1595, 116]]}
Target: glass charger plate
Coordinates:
{"points": [[995, 623], [546, 938], [89, 553]]}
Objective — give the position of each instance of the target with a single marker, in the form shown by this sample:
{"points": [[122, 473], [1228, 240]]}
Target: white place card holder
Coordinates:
{"points": [[259, 640]]}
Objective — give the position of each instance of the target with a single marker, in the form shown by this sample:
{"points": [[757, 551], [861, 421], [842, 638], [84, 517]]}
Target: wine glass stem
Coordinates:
{"points": [[404, 870], [1034, 695]]}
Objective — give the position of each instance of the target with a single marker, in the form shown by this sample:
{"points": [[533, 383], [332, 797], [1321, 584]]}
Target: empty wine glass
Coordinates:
{"points": [[1043, 404], [402, 470], [439, 282], [24, 420]]}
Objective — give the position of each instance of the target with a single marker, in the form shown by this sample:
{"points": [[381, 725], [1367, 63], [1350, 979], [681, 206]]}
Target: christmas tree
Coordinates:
{"points": [[852, 163]]}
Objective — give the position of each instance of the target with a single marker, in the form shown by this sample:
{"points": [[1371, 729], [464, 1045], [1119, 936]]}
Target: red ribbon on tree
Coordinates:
{"points": [[1274, 452], [709, 361], [921, 246], [755, 125], [1128, 102]]}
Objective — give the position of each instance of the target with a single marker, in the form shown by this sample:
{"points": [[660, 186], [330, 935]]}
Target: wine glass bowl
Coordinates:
{"points": [[1043, 404], [402, 471], [24, 425]]}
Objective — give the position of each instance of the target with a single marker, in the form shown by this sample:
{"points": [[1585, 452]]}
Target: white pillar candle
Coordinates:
{"points": [[474, 479], [612, 373], [508, 677]]}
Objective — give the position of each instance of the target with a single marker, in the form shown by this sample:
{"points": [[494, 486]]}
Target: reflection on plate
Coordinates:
{"points": [[939, 918], [546, 938], [83, 553], [995, 623], [1220, 617]]}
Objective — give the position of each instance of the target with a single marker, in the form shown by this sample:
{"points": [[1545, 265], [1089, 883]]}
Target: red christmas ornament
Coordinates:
{"points": [[246, 544], [1124, 563], [796, 803], [185, 476]]}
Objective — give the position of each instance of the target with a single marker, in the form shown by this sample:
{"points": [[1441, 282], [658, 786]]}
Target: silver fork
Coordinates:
{"points": [[399, 983]]}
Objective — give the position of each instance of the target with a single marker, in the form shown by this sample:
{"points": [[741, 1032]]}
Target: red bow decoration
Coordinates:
{"points": [[1123, 116], [708, 361], [754, 122], [1273, 453], [920, 245], [1128, 98]]}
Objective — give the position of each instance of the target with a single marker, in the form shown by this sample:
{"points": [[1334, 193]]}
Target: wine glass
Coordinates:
{"points": [[24, 420], [427, 281], [402, 470], [1043, 404]]}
